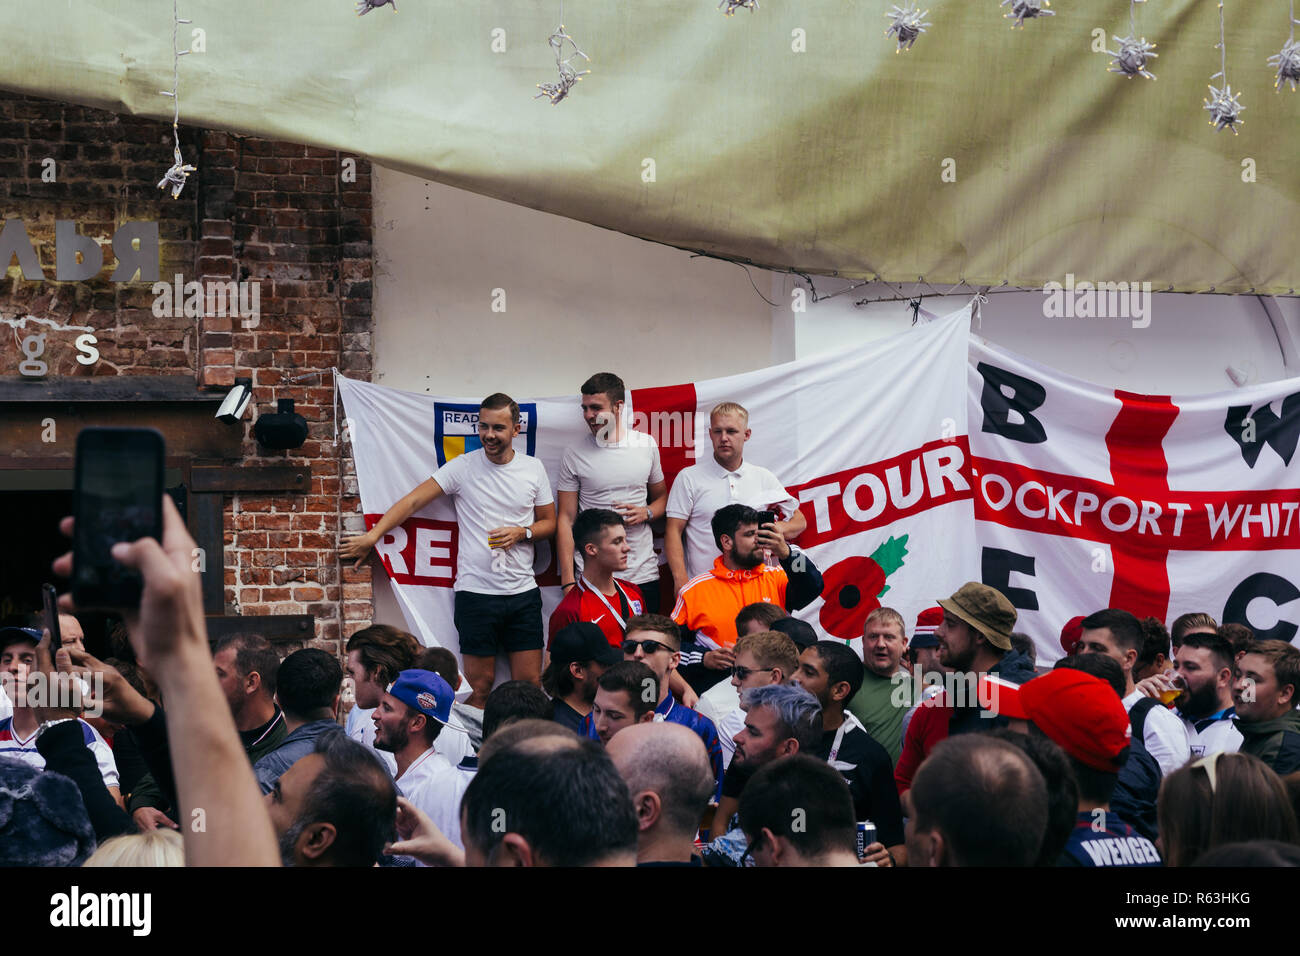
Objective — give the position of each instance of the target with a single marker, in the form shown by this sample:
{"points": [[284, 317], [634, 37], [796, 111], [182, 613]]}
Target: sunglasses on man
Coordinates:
{"points": [[649, 647], [742, 673]]}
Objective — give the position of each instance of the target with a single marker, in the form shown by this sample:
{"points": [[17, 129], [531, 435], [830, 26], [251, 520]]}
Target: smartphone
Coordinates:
{"points": [[118, 497], [766, 517], [51, 598]]}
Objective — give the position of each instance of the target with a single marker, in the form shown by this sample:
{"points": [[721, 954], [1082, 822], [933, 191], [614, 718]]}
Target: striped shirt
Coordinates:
{"points": [[12, 745]]}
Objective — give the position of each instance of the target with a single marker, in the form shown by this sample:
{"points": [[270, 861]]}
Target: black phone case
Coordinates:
{"points": [[111, 585]]}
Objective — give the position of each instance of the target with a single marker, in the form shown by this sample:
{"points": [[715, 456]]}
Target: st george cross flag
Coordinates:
{"points": [[871, 441], [1089, 498]]}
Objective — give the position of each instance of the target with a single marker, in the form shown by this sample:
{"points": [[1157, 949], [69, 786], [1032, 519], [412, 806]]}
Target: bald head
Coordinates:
{"points": [[670, 761], [70, 632]]}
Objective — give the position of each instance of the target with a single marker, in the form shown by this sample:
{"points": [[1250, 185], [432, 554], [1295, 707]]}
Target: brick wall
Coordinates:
{"points": [[279, 213]]}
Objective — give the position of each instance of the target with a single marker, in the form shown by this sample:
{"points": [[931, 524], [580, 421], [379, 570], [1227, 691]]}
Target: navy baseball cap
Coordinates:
{"points": [[426, 692], [583, 641], [16, 635]]}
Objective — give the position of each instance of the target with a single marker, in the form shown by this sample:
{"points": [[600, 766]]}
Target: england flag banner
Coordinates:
{"points": [[1088, 498], [871, 441]]}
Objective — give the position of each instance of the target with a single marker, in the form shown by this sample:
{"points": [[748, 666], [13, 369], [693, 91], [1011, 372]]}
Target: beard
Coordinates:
{"points": [[392, 742], [289, 840], [747, 561], [1200, 702]]}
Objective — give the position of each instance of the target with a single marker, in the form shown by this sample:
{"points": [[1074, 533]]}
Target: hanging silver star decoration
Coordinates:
{"points": [[176, 175], [907, 25], [1131, 57], [1225, 111], [1287, 63], [1022, 10], [365, 6], [568, 75], [733, 5]]}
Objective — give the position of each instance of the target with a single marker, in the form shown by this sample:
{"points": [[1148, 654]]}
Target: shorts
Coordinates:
{"points": [[650, 596], [490, 624]]}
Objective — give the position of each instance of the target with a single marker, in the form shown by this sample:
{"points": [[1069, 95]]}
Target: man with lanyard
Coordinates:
{"points": [[655, 641], [832, 673], [617, 468], [599, 597]]}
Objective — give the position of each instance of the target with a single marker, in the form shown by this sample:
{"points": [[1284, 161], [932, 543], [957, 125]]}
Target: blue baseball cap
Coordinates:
{"points": [[18, 635], [426, 692]]}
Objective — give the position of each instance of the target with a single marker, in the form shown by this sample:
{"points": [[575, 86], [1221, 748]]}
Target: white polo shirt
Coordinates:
{"points": [[603, 473], [1165, 737], [418, 780], [443, 794], [491, 496], [706, 486]]}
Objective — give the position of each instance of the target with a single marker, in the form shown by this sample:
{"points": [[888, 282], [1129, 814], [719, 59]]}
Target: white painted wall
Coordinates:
{"points": [[1189, 343], [581, 299]]}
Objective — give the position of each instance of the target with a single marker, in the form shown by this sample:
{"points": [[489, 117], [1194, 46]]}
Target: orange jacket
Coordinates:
{"points": [[710, 602]]}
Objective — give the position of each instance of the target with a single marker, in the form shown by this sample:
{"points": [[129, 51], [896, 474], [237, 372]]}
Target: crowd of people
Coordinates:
{"points": [[724, 733]]}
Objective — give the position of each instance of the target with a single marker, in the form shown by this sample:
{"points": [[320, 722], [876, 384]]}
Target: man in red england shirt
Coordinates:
{"points": [[597, 596]]}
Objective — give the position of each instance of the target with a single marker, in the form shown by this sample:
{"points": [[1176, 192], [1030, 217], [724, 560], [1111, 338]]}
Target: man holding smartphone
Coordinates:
{"points": [[708, 604], [503, 504]]}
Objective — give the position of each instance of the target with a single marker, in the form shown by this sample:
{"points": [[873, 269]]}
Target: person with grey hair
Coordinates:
{"points": [[668, 774], [781, 720]]}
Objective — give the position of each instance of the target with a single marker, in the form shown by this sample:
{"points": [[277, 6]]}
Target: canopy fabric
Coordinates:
{"points": [[826, 161]]}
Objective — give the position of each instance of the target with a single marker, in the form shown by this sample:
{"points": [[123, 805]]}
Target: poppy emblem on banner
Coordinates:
{"points": [[854, 586]]}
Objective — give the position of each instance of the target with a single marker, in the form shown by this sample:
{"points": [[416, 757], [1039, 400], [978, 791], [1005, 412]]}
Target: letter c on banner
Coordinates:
{"points": [[1020, 499]]}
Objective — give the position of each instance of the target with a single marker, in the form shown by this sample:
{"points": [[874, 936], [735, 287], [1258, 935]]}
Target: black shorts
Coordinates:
{"points": [[650, 596], [489, 624]]}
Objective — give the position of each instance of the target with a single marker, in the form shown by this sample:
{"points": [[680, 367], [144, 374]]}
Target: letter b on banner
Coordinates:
{"points": [[1008, 414]]}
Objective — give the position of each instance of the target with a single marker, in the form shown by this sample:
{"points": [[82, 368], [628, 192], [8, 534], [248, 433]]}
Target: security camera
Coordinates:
{"points": [[236, 401]]}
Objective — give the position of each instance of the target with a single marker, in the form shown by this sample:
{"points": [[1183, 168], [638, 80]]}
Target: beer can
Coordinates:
{"points": [[866, 837]]}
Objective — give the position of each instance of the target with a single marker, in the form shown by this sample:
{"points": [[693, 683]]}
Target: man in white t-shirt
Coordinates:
{"points": [[724, 479], [1118, 634], [503, 504], [618, 468]]}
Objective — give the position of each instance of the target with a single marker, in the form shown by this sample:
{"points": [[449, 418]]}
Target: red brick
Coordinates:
{"points": [[277, 522], [308, 594]]}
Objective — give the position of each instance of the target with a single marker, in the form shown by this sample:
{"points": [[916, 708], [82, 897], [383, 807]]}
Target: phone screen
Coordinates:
{"points": [[118, 498]]}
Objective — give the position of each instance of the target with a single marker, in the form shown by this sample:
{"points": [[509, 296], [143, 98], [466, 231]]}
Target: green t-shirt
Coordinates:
{"points": [[880, 706]]}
